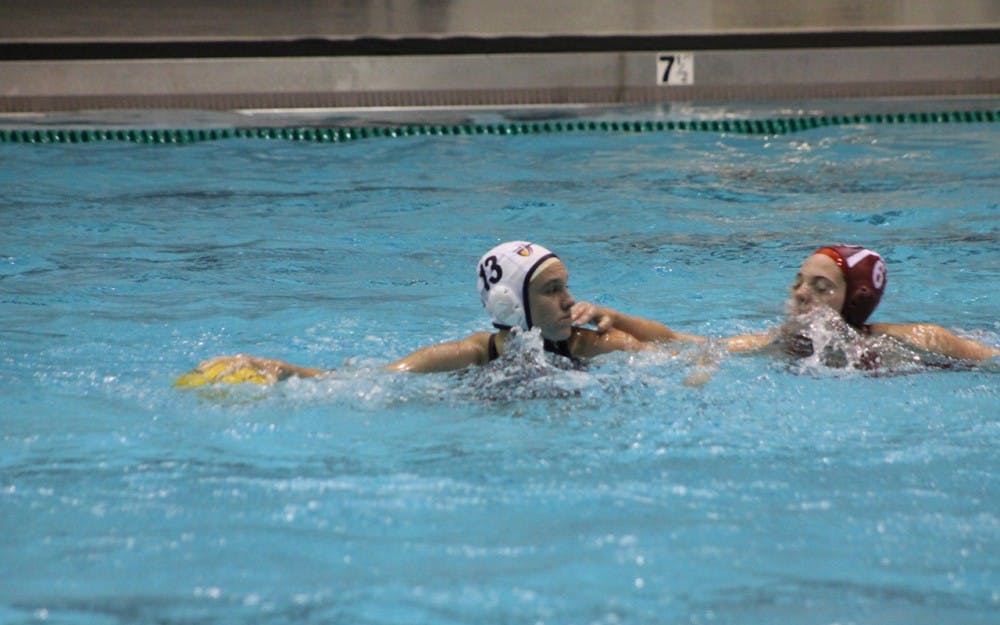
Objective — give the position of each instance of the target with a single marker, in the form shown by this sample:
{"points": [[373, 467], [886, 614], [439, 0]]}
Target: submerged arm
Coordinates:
{"points": [[243, 368], [748, 342], [934, 338]]}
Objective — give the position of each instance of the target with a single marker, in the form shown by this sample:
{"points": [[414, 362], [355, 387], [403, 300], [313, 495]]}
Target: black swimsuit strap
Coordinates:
{"points": [[555, 347], [558, 347], [493, 354]]}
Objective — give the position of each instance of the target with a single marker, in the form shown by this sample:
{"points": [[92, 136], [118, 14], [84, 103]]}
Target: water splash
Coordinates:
{"points": [[824, 343], [526, 371]]}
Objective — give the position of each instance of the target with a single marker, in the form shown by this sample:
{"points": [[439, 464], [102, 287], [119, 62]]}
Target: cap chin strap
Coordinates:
{"points": [[505, 308]]}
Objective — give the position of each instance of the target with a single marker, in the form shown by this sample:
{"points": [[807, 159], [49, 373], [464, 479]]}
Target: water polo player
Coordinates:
{"points": [[522, 286], [846, 279], [851, 280]]}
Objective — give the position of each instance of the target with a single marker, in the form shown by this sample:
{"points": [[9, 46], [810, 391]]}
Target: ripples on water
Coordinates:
{"points": [[526, 491]]}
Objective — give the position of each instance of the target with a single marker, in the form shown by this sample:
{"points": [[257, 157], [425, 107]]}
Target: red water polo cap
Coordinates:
{"points": [[865, 273]]}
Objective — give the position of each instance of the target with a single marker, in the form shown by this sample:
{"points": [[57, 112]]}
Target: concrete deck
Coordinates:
{"points": [[58, 55]]}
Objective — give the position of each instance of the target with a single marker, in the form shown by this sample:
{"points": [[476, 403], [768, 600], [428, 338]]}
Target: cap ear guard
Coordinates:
{"points": [[866, 282], [865, 274], [505, 308], [504, 274]]}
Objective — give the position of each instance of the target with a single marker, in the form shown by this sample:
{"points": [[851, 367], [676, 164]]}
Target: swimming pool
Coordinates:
{"points": [[610, 495]]}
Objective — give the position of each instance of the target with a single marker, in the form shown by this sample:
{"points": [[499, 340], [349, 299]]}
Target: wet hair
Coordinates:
{"points": [[865, 273]]}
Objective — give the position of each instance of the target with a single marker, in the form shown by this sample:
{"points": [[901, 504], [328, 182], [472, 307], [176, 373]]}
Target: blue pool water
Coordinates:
{"points": [[775, 492]]}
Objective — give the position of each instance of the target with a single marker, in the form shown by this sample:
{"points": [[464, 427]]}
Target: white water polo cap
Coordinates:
{"points": [[504, 275]]}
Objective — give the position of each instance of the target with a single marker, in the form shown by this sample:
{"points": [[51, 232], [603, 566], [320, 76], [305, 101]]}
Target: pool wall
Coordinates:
{"points": [[59, 55]]}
